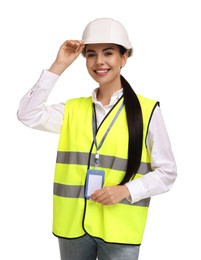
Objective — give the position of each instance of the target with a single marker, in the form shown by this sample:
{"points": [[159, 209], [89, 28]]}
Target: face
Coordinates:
{"points": [[104, 63]]}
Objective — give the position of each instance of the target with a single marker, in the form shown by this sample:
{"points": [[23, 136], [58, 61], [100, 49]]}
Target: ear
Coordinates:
{"points": [[124, 58]]}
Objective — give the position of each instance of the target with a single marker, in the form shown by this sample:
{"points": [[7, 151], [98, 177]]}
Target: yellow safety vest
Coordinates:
{"points": [[73, 214]]}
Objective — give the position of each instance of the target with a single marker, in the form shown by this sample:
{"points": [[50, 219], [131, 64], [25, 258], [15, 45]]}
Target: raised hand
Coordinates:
{"points": [[68, 52]]}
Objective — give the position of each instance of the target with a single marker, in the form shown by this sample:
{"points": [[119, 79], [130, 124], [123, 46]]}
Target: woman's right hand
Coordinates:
{"points": [[67, 53]]}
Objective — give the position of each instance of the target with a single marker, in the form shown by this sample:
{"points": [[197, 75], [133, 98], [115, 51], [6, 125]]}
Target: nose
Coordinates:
{"points": [[99, 59]]}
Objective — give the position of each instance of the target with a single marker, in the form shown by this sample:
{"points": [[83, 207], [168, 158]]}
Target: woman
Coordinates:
{"points": [[114, 152]]}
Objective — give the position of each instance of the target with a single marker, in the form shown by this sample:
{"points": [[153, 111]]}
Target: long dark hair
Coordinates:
{"points": [[135, 128]]}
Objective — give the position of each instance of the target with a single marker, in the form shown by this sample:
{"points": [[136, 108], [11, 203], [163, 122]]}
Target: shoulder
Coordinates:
{"points": [[78, 101], [148, 104], [147, 101]]}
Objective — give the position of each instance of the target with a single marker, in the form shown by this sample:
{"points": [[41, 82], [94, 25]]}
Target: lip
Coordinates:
{"points": [[101, 71]]}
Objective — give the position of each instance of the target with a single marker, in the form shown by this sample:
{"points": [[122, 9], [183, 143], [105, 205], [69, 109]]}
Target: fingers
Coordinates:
{"points": [[74, 44], [102, 196], [110, 195]]}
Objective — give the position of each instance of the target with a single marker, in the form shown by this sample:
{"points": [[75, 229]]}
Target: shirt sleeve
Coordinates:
{"points": [[163, 165], [33, 110]]}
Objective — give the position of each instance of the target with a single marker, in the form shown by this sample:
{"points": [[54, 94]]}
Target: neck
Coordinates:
{"points": [[105, 93]]}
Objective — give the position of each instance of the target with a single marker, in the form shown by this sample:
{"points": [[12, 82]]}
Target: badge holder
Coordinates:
{"points": [[95, 179]]}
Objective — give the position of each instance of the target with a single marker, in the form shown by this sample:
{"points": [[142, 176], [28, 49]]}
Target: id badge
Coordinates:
{"points": [[94, 181]]}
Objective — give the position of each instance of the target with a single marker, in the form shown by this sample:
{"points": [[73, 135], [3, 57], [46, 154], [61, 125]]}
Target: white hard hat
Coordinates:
{"points": [[107, 30]]}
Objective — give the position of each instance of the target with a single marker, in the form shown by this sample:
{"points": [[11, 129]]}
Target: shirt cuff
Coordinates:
{"points": [[136, 190]]}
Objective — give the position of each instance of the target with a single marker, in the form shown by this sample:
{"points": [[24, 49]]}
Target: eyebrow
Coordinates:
{"points": [[106, 49]]}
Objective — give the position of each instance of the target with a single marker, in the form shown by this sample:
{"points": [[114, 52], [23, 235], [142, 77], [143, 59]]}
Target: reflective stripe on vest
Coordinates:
{"points": [[73, 215], [105, 161]]}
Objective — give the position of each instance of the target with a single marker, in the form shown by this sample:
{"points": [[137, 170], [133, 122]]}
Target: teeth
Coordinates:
{"points": [[101, 71]]}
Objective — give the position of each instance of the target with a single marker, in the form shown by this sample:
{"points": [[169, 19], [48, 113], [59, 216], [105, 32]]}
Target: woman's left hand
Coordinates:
{"points": [[111, 194]]}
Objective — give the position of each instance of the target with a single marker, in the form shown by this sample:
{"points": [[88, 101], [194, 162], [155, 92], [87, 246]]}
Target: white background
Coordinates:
{"points": [[166, 66]]}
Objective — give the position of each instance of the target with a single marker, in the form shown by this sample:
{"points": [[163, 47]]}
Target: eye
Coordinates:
{"points": [[108, 53], [89, 55]]}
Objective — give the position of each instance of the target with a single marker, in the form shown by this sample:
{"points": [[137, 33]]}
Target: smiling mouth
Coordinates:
{"points": [[101, 72]]}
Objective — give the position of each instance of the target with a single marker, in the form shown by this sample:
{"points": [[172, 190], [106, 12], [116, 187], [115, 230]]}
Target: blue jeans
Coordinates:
{"points": [[89, 248]]}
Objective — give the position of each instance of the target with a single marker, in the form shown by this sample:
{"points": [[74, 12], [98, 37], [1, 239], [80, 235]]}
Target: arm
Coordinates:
{"points": [[33, 111], [164, 170]]}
